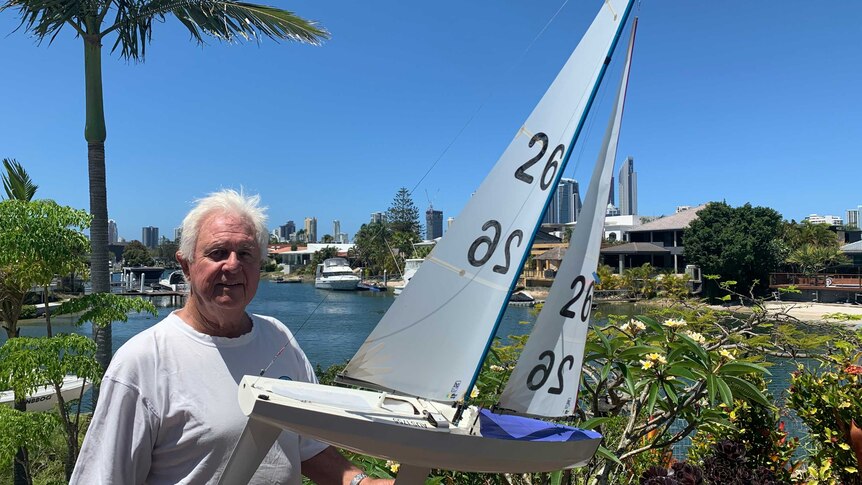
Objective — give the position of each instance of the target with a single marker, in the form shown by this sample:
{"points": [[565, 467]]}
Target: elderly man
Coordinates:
{"points": [[168, 410]]}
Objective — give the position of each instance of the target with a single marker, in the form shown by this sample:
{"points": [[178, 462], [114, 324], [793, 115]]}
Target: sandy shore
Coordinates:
{"points": [[805, 311]]}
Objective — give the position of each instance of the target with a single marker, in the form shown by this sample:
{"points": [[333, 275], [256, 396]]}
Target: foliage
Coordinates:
{"points": [[103, 308], [760, 433], [811, 259], [166, 251], [372, 250], [796, 235], [16, 181], [739, 243], [38, 240], [136, 254], [403, 215], [28, 363], [23, 430], [829, 401]]}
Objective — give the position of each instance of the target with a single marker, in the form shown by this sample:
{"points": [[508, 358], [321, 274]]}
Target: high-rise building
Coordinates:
{"points": [[286, 230], [853, 217], [433, 223], [150, 237], [611, 193], [336, 230], [112, 231], [178, 234], [628, 181], [569, 200], [449, 222], [565, 203], [311, 229], [377, 217]]}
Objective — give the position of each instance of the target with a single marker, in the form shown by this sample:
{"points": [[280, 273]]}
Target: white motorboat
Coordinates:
{"points": [[424, 356], [335, 274], [45, 397]]}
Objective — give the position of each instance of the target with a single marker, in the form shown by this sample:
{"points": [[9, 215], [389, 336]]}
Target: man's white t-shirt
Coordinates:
{"points": [[168, 411]]}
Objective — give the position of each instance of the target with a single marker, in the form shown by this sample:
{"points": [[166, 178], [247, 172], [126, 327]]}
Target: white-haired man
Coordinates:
{"points": [[168, 411]]}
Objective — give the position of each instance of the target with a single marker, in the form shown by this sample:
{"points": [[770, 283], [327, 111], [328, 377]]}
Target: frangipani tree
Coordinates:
{"points": [[127, 27]]}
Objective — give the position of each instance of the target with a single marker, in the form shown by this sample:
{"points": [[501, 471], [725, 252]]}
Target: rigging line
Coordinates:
{"points": [[292, 338], [490, 94]]}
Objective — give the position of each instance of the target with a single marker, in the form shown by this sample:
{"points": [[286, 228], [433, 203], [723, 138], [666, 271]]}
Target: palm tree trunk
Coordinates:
{"points": [[95, 134], [47, 310]]}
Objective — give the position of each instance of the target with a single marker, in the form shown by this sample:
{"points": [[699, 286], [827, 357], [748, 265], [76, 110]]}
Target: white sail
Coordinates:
{"points": [[545, 379], [432, 340]]}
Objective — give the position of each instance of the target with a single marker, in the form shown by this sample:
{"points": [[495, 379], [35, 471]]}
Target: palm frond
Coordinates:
{"points": [[45, 18], [16, 181], [222, 19]]}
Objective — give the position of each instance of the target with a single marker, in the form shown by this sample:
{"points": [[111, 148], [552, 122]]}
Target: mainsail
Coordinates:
{"points": [[432, 340], [545, 379]]}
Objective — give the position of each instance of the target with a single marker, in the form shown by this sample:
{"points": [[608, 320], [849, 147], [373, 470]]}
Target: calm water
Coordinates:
{"points": [[329, 325]]}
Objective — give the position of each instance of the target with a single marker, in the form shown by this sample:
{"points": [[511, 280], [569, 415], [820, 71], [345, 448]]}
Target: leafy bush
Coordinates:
{"points": [[27, 311], [829, 401]]}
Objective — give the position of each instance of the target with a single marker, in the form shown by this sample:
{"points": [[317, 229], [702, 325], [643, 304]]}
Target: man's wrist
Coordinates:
{"points": [[356, 480]]}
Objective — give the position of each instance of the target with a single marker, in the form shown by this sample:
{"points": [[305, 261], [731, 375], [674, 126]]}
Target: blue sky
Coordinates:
{"points": [[736, 100]]}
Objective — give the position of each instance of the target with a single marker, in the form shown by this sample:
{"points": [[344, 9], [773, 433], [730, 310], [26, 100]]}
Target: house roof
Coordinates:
{"points": [[553, 254], [635, 248], [855, 247], [673, 222]]}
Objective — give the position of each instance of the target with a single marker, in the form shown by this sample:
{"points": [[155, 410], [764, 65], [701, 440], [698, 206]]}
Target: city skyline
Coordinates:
{"points": [[708, 114]]}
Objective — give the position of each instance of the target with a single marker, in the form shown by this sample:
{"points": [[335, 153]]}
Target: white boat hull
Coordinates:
{"points": [[387, 426], [45, 399], [344, 283]]}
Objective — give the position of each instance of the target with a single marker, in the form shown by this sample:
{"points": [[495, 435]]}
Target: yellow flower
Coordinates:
{"points": [[674, 323], [726, 354], [696, 337], [393, 466], [647, 364], [656, 358], [474, 393], [844, 404], [496, 368]]}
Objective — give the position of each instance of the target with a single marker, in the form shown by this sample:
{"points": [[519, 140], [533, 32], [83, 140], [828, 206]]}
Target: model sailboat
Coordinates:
{"points": [[427, 350]]}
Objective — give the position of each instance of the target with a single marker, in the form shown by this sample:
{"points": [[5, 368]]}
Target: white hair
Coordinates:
{"points": [[225, 201]]}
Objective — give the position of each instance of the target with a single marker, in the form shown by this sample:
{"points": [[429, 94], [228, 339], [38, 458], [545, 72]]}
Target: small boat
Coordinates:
{"points": [[292, 279], [522, 298], [410, 268], [420, 363], [335, 274], [176, 281], [369, 286], [45, 398]]}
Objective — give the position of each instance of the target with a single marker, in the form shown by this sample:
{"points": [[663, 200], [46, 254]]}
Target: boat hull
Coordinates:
{"points": [[395, 428], [337, 283], [45, 399]]}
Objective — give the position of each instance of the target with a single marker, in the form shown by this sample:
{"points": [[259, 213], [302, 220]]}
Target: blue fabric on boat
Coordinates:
{"points": [[511, 427]]}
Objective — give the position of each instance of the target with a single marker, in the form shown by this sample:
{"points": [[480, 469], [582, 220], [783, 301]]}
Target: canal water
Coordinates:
{"points": [[330, 326]]}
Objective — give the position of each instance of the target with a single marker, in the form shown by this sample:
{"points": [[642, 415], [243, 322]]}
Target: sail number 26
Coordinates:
{"points": [[540, 374], [484, 246], [550, 166]]}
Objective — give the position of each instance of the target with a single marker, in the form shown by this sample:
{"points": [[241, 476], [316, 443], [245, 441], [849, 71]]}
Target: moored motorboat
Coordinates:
{"points": [[335, 274], [45, 397]]}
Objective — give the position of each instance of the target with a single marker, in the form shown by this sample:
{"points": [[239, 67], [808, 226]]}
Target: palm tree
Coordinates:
{"points": [[129, 24], [17, 182]]}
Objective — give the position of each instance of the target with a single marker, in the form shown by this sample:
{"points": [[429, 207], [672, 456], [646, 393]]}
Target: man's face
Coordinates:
{"points": [[226, 268]]}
